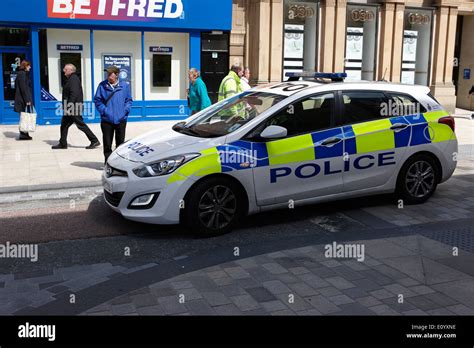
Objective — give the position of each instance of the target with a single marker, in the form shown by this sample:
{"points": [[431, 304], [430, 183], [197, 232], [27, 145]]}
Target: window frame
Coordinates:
{"points": [[334, 117]]}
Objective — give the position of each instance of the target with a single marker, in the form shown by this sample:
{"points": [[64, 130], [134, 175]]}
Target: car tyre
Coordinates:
{"points": [[418, 179], [214, 207]]}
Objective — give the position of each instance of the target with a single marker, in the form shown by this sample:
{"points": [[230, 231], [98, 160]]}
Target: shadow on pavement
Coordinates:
{"points": [[55, 142], [11, 135], [90, 165]]}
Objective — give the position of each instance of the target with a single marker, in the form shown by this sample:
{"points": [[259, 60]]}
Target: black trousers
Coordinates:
{"points": [[108, 131], [68, 121]]}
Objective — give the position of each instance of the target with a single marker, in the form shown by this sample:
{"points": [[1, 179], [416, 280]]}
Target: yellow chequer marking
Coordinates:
{"points": [[438, 132], [208, 163], [296, 149], [434, 116], [374, 136]]}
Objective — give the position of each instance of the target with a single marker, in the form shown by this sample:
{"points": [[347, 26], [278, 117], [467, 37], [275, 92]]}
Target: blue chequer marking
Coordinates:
{"points": [[350, 146], [420, 131], [402, 138], [242, 155], [328, 152]]}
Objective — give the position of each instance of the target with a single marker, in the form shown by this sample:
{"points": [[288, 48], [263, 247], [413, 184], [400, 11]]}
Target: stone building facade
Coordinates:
{"points": [[428, 42]]}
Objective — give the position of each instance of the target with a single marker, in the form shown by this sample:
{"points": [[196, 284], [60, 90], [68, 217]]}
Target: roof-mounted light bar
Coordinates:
{"points": [[334, 77]]}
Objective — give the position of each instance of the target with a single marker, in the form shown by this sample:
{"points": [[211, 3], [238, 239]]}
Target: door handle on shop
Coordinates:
{"points": [[331, 142], [398, 127]]}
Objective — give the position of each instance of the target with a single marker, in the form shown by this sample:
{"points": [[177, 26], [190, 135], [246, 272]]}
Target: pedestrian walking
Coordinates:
{"points": [[198, 96], [245, 80], [113, 100], [73, 105], [23, 93]]}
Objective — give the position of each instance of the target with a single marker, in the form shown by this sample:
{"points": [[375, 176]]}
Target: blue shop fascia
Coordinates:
{"points": [[153, 42]]}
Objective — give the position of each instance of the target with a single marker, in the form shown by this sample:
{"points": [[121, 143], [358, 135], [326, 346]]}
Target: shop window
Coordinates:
{"points": [[14, 37], [361, 42], [161, 70], [416, 46], [300, 36]]}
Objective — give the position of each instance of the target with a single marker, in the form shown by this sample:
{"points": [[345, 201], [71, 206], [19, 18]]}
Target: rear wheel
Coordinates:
{"points": [[214, 207], [418, 179]]}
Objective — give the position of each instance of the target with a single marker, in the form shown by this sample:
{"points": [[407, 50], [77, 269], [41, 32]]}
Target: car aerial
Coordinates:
{"points": [[306, 140]]}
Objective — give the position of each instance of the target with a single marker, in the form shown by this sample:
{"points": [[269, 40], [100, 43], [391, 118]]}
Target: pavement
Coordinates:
{"points": [[416, 260], [33, 165]]}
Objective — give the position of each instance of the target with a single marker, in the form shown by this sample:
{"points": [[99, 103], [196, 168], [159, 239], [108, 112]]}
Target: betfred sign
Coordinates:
{"points": [[139, 10]]}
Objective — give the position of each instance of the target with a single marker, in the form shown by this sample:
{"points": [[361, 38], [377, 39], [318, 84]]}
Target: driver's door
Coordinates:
{"points": [[309, 161]]}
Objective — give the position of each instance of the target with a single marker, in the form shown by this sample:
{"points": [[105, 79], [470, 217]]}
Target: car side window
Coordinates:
{"points": [[404, 105], [305, 116], [362, 106]]}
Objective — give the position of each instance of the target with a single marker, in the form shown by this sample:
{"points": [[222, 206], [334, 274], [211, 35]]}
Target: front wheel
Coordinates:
{"points": [[418, 179], [214, 207]]}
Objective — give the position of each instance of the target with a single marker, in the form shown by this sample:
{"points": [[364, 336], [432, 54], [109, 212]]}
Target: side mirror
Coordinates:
{"points": [[178, 126], [274, 132]]}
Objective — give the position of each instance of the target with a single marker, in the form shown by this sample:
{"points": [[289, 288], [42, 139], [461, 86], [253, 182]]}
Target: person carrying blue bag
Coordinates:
{"points": [[113, 101]]}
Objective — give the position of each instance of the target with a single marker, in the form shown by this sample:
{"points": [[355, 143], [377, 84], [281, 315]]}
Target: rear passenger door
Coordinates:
{"points": [[374, 139]]}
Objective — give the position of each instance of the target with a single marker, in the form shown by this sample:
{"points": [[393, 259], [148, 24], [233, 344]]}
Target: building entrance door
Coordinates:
{"points": [[214, 62], [10, 59]]}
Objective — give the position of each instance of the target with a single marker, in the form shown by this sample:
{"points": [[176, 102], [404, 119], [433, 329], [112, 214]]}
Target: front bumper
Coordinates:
{"points": [[120, 191]]}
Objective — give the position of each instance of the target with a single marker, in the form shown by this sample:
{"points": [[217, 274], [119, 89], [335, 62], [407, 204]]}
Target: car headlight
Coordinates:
{"points": [[163, 167]]}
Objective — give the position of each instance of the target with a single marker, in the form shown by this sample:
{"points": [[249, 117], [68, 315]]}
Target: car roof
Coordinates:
{"points": [[305, 87]]}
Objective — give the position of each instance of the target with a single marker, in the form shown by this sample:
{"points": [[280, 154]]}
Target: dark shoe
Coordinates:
{"points": [[93, 145], [25, 137], [59, 147]]}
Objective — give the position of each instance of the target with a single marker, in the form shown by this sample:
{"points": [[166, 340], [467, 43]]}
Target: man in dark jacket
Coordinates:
{"points": [[72, 109], [113, 100]]}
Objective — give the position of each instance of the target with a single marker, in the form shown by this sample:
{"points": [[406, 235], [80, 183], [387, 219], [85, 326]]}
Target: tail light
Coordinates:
{"points": [[449, 121]]}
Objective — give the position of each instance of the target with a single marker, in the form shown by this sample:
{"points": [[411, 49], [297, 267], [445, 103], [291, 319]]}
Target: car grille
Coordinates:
{"points": [[113, 199], [111, 171]]}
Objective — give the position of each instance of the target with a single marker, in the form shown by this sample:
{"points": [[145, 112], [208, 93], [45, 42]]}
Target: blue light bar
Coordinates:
{"points": [[317, 75]]}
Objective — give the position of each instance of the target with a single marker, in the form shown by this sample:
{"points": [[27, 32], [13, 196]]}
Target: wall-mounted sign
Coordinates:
{"points": [[64, 47], [161, 49], [115, 10], [183, 15], [467, 74], [417, 18], [300, 12], [123, 62], [362, 15]]}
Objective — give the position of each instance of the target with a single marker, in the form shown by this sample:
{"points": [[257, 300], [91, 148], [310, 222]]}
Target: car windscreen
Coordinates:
{"points": [[229, 115]]}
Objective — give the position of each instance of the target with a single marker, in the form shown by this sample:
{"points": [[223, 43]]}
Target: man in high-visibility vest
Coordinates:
{"points": [[229, 87]]}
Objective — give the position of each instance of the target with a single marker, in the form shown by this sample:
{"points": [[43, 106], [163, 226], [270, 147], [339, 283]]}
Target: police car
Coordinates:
{"points": [[298, 142]]}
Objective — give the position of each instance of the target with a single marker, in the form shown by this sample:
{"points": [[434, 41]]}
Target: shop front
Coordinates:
{"points": [[153, 42]]}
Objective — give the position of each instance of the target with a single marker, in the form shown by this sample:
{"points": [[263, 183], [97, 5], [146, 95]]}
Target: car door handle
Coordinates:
{"points": [[398, 127], [331, 142]]}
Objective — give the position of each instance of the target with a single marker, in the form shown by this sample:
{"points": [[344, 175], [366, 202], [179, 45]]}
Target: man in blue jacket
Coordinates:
{"points": [[113, 100]]}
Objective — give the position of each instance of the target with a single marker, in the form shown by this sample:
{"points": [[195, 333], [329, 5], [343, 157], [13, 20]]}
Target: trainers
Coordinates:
{"points": [[93, 145], [59, 147]]}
